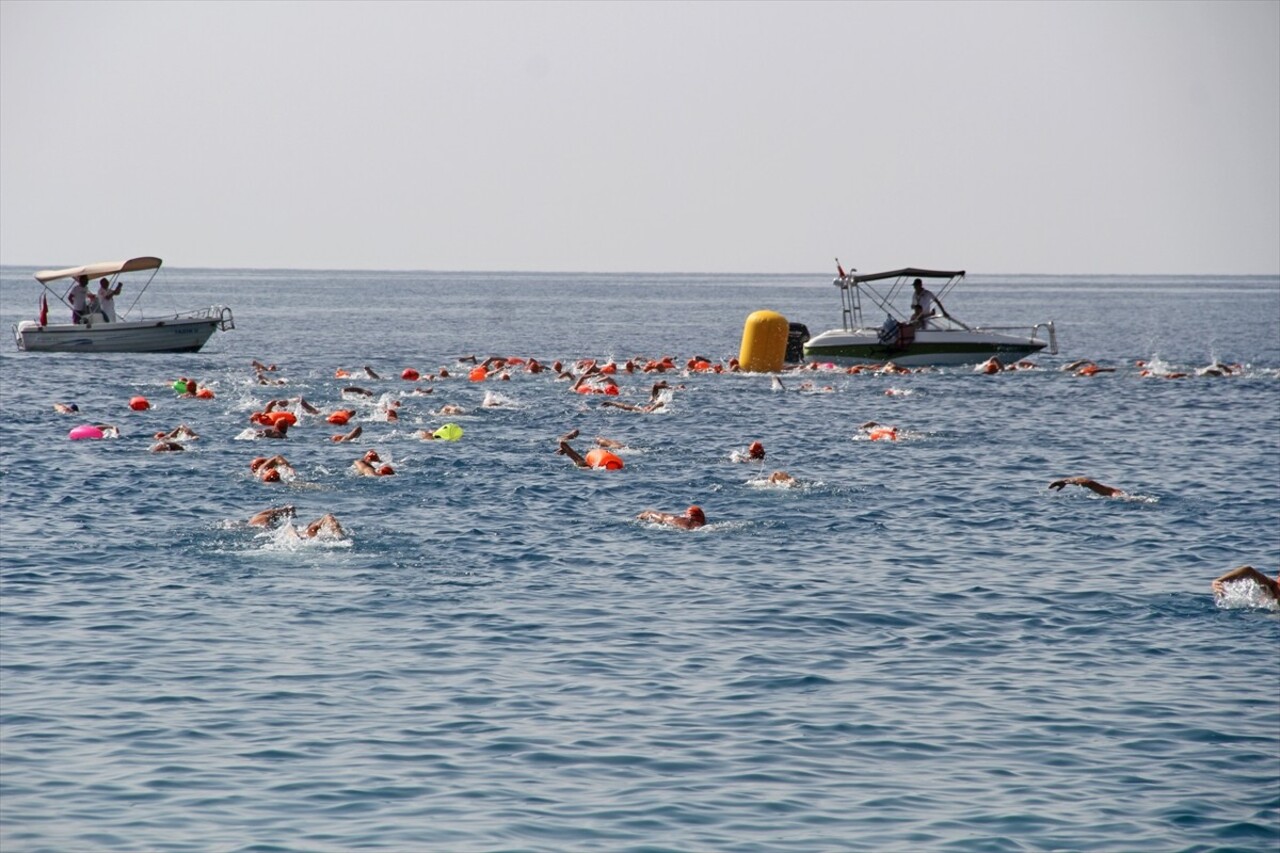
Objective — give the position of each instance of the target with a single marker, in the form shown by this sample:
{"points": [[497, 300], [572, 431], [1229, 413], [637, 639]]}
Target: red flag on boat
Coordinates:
{"points": [[44, 310], [839, 268]]}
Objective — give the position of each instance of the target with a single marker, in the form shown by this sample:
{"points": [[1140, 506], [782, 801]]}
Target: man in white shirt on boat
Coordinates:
{"points": [[923, 303], [107, 299], [78, 296]]}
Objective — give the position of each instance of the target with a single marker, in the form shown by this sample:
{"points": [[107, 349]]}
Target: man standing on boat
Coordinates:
{"points": [[107, 299], [922, 304], [78, 296]]}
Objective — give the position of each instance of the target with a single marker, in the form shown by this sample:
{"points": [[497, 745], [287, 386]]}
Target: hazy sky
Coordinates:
{"points": [[1054, 137]]}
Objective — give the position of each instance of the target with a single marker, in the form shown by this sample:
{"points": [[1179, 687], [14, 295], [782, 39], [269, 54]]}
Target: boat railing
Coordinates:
{"points": [[850, 302], [1033, 335], [220, 314]]}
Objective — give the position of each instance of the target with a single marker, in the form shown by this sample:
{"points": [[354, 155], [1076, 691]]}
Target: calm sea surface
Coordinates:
{"points": [[918, 648]]}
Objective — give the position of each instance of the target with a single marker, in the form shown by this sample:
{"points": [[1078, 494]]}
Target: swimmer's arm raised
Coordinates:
{"points": [[1091, 485], [1248, 573]]}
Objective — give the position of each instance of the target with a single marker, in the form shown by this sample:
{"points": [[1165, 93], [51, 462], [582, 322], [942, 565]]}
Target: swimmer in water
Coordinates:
{"points": [[873, 431], [66, 408], [350, 436], [326, 526], [647, 408], [182, 432], [597, 457], [565, 449], [269, 517], [1270, 588], [166, 447], [1217, 368], [270, 468], [691, 519], [782, 478], [657, 401], [1084, 367], [991, 365], [279, 430], [1091, 485], [365, 468]]}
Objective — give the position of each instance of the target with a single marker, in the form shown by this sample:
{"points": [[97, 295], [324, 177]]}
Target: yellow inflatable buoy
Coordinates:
{"points": [[764, 342], [448, 432]]}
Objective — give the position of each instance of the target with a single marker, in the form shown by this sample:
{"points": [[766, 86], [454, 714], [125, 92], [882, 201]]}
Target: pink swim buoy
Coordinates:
{"points": [[84, 432]]}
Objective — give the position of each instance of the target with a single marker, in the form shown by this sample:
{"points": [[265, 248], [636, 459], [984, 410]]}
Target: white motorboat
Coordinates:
{"points": [[185, 331], [936, 339]]}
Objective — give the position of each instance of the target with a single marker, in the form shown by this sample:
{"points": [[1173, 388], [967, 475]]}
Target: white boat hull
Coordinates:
{"points": [[182, 333], [930, 347]]}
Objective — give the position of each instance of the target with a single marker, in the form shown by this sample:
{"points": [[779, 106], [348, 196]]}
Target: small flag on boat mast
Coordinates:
{"points": [[44, 310], [839, 268]]}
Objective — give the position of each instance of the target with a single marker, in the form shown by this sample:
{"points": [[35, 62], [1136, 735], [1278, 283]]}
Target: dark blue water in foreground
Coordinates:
{"points": [[919, 648]]}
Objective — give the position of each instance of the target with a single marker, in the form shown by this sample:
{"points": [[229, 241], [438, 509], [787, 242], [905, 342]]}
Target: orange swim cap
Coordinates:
{"points": [[271, 475], [756, 450], [385, 470], [695, 514]]}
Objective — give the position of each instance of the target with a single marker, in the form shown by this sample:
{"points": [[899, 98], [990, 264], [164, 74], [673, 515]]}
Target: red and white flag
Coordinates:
{"points": [[44, 310]]}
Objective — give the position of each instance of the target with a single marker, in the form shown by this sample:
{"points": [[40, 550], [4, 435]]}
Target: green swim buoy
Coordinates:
{"points": [[448, 432]]}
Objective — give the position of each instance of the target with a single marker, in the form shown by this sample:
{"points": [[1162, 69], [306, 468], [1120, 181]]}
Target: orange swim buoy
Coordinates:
{"points": [[598, 457], [275, 418], [139, 404], [478, 374], [204, 394], [410, 374], [340, 417], [883, 434], [341, 374]]}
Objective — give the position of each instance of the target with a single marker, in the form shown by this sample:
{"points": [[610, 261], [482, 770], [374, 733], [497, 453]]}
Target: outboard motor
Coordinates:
{"points": [[797, 336]]}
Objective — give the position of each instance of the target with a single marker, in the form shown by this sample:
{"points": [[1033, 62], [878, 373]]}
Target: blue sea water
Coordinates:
{"points": [[918, 648]]}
